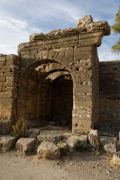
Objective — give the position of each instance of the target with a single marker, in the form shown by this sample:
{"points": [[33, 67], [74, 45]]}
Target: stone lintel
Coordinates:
{"points": [[83, 39]]}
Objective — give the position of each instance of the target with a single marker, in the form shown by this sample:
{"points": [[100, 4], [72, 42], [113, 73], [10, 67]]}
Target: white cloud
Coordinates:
{"points": [[13, 32], [15, 24]]}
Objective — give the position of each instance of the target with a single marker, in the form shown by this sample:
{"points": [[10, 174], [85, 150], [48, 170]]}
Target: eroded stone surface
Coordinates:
{"points": [[108, 143], [6, 143], [52, 135], [48, 150], [25, 145], [84, 24]]}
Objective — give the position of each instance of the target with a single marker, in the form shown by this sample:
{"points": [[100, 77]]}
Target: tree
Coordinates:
{"points": [[116, 29]]}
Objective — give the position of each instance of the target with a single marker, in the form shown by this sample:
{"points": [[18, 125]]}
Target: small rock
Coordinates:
{"points": [[48, 150], [33, 132], [25, 145], [94, 138], [108, 143], [116, 158], [6, 143]]}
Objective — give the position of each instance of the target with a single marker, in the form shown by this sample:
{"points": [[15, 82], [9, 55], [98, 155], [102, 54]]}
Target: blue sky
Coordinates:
{"points": [[20, 18]]}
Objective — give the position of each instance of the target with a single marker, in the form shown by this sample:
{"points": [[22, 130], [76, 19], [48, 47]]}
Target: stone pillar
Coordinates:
{"points": [[86, 89]]}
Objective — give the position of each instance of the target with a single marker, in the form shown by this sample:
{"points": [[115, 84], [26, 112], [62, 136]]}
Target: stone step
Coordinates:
{"points": [[26, 145], [53, 135], [6, 143]]}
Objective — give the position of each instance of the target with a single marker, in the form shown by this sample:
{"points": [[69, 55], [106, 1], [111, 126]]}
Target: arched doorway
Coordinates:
{"points": [[46, 95]]}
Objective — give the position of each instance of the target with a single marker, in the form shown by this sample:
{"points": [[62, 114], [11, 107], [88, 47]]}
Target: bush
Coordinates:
{"points": [[80, 146]]}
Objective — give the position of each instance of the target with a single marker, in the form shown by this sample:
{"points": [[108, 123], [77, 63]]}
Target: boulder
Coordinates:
{"points": [[6, 143], [108, 144], [26, 145], [48, 150]]}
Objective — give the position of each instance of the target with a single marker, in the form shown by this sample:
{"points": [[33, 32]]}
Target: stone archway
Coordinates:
{"points": [[46, 95], [75, 49]]}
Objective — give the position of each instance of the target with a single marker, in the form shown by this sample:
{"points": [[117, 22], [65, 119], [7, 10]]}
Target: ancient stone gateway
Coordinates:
{"points": [[55, 78]]}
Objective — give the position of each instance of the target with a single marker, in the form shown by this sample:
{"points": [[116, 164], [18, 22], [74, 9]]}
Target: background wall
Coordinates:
{"points": [[110, 95]]}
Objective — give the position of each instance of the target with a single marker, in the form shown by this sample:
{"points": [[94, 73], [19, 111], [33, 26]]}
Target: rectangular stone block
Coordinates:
{"points": [[6, 143]]}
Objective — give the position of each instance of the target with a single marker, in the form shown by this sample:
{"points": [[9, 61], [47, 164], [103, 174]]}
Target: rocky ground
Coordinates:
{"points": [[78, 166]]}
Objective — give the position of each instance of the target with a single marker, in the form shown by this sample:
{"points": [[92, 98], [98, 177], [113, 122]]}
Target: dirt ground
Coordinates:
{"points": [[80, 166]]}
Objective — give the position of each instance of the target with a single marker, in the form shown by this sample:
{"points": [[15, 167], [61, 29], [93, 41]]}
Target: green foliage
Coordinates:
{"points": [[63, 151], [80, 146], [19, 129], [63, 148], [116, 29]]}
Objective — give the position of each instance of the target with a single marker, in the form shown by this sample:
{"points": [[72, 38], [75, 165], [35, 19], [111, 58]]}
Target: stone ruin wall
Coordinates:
{"points": [[110, 95], [9, 65], [44, 65]]}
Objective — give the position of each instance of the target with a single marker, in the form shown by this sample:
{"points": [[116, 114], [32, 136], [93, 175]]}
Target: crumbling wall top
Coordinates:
{"points": [[84, 25]]}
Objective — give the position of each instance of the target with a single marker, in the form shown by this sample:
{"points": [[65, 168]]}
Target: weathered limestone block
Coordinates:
{"points": [[94, 138], [86, 23], [6, 143], [108, 143], [83, 22], [25, 145], [51, 136], [116, 158], [33, 132], [72, 140], [48, 150]]}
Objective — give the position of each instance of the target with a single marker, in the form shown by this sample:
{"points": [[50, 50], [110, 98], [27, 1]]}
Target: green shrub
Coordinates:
{"points": [[80, 146]]}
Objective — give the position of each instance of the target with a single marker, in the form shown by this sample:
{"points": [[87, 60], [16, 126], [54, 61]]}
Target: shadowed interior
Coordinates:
{"points": [[47, 97]]}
